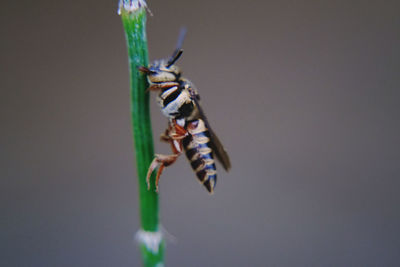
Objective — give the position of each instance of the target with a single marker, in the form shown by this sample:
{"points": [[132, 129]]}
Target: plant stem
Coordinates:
{"points": [[133, 14]]}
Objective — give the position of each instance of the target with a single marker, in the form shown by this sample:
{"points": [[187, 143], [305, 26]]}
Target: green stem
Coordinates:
{"points": [[133, 14]]}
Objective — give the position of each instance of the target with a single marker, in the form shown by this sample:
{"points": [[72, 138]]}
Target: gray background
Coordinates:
{"points": [[304, 95]]}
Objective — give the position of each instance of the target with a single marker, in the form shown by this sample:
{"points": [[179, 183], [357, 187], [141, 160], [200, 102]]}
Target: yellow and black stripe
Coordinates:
{"points": [[197, 149]]}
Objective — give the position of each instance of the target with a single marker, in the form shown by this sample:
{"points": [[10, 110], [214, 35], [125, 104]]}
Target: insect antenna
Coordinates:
{"points": [[178, 51]]}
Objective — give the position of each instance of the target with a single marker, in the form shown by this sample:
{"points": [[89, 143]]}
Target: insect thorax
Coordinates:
{"points": [[176, 103]]}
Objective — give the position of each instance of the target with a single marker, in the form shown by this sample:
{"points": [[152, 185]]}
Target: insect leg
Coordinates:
{"points": [[173, 132], [174, 135], [160, 86], [162, 161]]}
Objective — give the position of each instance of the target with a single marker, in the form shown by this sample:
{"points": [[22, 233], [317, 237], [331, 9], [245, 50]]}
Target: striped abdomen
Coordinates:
{"points": [[198, 151]]}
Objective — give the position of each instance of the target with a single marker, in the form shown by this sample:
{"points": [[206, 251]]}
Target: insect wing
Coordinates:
{"points": [[216, 144], [219, 150]]}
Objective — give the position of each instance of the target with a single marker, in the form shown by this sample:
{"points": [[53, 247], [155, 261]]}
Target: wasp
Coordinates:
{"points": [[188, 128]]}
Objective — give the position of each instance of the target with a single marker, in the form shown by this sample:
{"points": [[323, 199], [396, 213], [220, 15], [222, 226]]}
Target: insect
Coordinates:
{"points": [[188, 128]]}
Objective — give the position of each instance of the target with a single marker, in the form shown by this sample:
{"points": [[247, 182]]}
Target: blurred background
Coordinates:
{"points": [[303, 94]]}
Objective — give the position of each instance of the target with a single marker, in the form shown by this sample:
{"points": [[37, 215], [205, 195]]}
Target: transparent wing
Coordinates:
{"points": [[216, 144]]}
